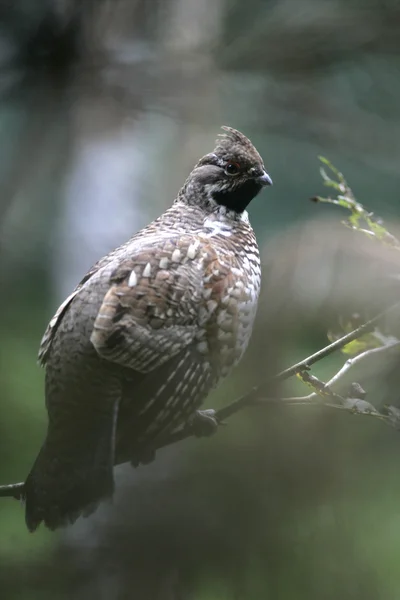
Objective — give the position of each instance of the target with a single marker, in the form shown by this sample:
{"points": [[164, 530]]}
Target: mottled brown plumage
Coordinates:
{"points": [[149, 331]]}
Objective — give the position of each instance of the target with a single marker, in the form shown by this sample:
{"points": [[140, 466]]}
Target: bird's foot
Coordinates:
{"points": [[144, 457], [204, 422]]}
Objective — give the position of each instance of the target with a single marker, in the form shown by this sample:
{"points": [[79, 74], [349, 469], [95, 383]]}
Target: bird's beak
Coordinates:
{"points": [[264, 179]]}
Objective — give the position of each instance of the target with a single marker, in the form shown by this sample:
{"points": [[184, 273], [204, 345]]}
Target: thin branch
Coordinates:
{"points": [[354, 402], [13, 490], [336, 345], [344, 370], [356, 360]]}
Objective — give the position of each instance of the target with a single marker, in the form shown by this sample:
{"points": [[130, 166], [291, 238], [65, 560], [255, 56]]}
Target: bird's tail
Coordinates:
{"points": [[72, 473]]}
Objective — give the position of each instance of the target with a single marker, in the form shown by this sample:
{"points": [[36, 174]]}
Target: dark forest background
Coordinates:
{"points": [[105, 105]]}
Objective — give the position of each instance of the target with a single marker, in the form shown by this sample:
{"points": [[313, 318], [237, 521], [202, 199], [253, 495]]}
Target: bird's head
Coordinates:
{"points": [[230, 176]]}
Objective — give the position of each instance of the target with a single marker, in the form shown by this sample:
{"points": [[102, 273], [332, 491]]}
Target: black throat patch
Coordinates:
{"points": [[239, 197]]}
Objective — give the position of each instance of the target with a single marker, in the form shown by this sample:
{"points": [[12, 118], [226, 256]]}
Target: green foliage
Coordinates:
{"points": [[368, 341], [365, 222], [360, 219]]}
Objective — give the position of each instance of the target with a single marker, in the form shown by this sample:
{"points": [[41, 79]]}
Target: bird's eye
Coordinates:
{"points": [[232, 168]]}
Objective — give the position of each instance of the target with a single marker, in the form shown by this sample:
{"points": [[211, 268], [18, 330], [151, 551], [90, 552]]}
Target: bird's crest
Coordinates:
{"points": [[232, 139]]}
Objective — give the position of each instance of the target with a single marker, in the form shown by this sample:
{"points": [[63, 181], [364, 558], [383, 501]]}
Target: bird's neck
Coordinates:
{"points": [[201, 201]]}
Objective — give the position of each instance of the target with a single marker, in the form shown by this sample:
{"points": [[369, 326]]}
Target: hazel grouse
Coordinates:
{"points": [[132, 353]]}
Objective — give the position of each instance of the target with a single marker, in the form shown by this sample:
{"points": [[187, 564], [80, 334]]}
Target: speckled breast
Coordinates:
{"points": [[231, 291]]}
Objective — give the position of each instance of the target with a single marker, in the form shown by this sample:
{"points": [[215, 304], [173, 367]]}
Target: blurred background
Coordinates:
{"points": [[105, 105]]}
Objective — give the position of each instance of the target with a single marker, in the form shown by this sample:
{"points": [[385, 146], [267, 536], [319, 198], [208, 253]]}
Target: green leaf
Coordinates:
{"points": [[366, 342]]}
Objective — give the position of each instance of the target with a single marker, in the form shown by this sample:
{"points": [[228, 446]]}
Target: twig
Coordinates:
{"points": [[354, 402], [336, 345], [355, 360], [13, 490], [349, 364]]}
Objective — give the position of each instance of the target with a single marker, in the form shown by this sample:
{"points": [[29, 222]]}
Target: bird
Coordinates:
{"points": [[150, 330]]}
